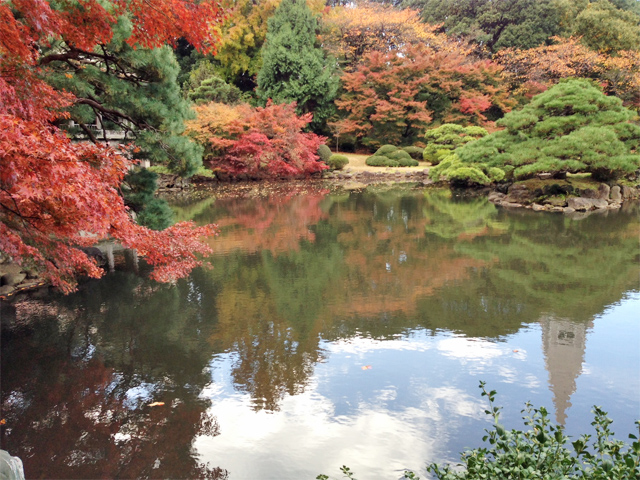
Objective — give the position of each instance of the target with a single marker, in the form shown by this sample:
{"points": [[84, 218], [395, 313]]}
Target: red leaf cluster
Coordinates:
{"points": [[56, 195], [393, 97], [257, 142]]}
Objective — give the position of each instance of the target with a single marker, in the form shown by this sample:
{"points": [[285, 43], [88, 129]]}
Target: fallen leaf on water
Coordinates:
{"points": [[156, 404], [366, 367], [3, 422], [515, 351]]}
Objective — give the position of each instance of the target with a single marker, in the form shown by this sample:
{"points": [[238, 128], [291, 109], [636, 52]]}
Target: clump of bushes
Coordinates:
{"points": [[324, 153], [391, 156], [386, 149], [381, 161], [414, 152], [572, 127], [337, 162], [443, 140], [461, 174]]}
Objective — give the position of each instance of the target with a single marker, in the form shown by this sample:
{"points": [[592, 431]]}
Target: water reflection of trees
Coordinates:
{"points": [[369, 264], [79, 373], [379, 264]]}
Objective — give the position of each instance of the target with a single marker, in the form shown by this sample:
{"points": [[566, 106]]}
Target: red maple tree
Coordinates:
{"points": [[56, 195], [393, 97], [258, 142]]}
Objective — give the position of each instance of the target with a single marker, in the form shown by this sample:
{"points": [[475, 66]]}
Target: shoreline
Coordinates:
{"points": [[573, 195]]}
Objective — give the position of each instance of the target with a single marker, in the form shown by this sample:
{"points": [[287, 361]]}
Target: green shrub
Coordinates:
{"points": [[572, 127], [446, 138], [407, 162], [540, 452], [324, 153], [385, 149], [414, 152], [381, 161], [215, 89], [337, 162], [399, 154], [138, 190], [461, 174]]}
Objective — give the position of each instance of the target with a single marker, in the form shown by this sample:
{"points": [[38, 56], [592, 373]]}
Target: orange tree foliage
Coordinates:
{"points": [[257, 142], [351, 31], [532, 71], [56, 195], [393, 97]]}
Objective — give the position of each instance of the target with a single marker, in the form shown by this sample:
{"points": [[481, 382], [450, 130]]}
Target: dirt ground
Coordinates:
{"points": [[356, 164]]}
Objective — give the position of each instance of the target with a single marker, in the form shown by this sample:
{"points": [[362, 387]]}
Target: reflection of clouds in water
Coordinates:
{"points": [[277, 444], [378, 436], [469, 349], [377, 421], [362, 345], [446, 402], [139, 394], [477, 350]]}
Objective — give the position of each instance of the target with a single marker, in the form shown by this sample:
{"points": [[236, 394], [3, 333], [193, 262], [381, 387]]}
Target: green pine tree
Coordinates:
{"points": [[572, 127], [294, 68], [128, 89]]}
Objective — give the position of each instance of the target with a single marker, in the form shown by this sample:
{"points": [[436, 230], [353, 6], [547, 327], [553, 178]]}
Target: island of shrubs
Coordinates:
{"points": [[392, 156]]}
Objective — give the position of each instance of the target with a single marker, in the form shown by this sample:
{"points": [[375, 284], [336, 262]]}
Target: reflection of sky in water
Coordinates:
{"points": [[415, 401]]}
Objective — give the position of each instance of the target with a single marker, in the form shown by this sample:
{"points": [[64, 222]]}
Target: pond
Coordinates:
{"points": [[334, 328]]}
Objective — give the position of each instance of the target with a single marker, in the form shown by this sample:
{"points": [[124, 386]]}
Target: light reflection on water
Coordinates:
{"points": [[334, 329]]}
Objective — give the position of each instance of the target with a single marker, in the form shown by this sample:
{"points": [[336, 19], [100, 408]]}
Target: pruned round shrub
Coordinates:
{"points": [[460, 174], [573, 127], [337, 162], [446, 138], [324, 153], [414, 152], [381, 161], [398, 155], [407, 162], [386, 149]]}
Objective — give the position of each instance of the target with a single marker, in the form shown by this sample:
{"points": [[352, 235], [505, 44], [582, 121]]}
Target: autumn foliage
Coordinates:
{"points": [[352, 31], [393, 98], [529, 72], [56, 195], [257, 142]]}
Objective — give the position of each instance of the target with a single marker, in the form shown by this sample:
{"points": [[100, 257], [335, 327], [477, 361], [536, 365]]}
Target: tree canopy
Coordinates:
{"points": [[513, 23], [56, 195], [572, 127], [294, 68], [392, 98]]}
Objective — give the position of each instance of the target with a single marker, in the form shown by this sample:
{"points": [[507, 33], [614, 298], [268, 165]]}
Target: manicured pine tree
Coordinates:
{"points": [[294, 68]]}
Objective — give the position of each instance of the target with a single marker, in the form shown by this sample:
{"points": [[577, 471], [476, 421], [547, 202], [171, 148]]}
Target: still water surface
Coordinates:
{"points": [[335, 328]]}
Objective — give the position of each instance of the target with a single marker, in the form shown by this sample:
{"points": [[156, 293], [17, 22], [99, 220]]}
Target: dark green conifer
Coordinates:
{"points": [[294, 68]]}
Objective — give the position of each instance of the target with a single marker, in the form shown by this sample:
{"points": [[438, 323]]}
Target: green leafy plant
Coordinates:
{"points": [[324, 153], [399, 155], [386, 149], [337, 162], [540, 452], [443, 140], [572, 127], [414, 152]]}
